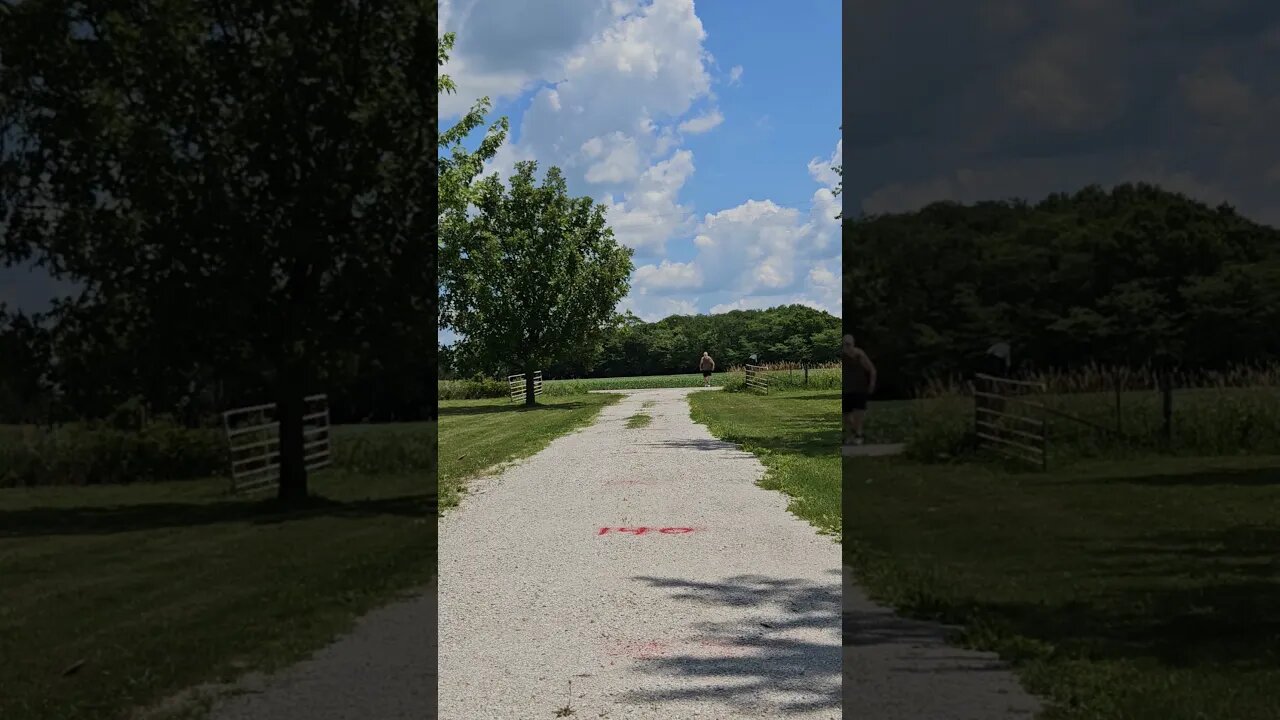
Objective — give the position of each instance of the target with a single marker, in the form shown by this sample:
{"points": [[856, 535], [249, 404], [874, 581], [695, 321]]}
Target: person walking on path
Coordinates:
{"points": [[859, 381], [706, 365]]}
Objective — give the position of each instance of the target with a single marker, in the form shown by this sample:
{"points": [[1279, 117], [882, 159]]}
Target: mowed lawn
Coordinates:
{"points": [[795, 434], [115, 597], [478, 435], [1144, 589]]}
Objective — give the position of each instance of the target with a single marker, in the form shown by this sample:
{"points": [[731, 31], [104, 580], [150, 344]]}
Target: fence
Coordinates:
{"points": [[516, 385], [253, 441], [1019, 432], [757, 377]]}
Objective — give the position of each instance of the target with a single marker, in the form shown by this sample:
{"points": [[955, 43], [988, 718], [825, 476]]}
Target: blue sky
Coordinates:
{"points": [[707, 129]]}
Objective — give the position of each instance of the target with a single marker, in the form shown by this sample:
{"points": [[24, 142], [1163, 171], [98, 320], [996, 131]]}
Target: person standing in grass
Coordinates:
{"points": [[859, 382], [706, 365]]}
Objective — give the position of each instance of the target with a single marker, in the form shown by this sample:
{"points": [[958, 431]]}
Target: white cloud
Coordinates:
{"points": [[617, 158], [651, 308], [618, 88], [666, 276], [501, 54], [821, 170], [650, 214], [702, 123]]}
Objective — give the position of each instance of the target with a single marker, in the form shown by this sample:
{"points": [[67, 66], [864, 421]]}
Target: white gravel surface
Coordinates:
{"points": [[738, 617]]}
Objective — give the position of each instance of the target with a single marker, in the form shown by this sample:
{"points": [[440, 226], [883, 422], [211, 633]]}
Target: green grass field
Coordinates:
{"points": [[1143, 588], [827, 378], [143, 590], [1206, 421], [795, 434], [477, 435]]}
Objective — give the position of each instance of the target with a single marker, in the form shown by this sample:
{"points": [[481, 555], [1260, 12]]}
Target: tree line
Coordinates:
{"points": [[1134, 276], [630, 346]]}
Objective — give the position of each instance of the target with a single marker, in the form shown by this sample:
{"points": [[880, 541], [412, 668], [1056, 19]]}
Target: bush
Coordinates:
{"points": [[472, 389], [96, 453], [410, 448], [942, 432]]}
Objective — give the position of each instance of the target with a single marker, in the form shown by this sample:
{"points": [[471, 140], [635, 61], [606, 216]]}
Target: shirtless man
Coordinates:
{"points": [[859, 383], [706, 365]]}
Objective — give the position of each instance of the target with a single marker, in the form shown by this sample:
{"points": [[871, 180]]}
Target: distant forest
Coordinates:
{"points": [[790, 333], [1137, 276]]}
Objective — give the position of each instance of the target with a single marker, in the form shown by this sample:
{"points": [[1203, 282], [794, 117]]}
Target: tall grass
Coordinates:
{"points": [[1213, 413], [94, 454]]}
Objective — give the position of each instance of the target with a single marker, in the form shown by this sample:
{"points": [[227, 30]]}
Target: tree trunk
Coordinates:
{"points": [[529, 397], [293, 470]]}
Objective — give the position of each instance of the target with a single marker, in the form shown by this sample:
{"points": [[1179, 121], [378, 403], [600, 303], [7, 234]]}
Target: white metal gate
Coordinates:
{"points": [[515, 383], [756, 377], [253, 442]]}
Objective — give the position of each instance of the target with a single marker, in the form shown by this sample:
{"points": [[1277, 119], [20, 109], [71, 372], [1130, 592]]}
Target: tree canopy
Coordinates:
{"points": [[242, 190], [538, 273], [789, 333], [457, 172], [1116, 277]]}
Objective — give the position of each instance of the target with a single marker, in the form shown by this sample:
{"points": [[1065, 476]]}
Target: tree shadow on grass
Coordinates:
{"points": [[106, 520], [1187, 600], [793, 438], [1244, 477], [765, 659], [512, 408]]}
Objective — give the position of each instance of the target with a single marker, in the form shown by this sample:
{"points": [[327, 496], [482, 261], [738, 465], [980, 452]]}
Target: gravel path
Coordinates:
{"points": [[727, 606]]}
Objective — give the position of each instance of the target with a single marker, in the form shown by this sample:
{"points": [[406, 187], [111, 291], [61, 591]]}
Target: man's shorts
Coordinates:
{"points": [[706, 373], [855, 401]]}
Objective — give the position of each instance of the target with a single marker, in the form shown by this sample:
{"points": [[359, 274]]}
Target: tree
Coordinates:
{"points": [[457, 172], [835, 192], [538, 276], [235, 184]]}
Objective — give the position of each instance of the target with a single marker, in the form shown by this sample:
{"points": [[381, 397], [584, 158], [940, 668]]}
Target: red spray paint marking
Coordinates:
{"points": [[643, 530]]}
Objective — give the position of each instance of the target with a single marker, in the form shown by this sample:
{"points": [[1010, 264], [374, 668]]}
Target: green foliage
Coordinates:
{"points": [[538, 273], [241, 191], [471, 389], [943, 433], [456, 173], [630, 347], [97, 453], [1118, 277]]}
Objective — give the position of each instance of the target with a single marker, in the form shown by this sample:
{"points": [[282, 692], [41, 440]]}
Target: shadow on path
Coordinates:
{"points": [[774, 654]]}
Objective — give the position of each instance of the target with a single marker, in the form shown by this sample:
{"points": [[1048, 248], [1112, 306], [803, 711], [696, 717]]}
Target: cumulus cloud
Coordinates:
{"points": [[821, 170], [702, 123], [612, 96], [667, 276]]}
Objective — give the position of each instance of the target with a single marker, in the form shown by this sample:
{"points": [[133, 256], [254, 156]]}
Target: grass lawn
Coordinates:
{"points": [[796, 435], [476, 435], [1142, 588], [136, 592]]}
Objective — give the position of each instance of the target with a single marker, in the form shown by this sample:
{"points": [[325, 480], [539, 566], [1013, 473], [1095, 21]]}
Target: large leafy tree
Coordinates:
{"points": [[541, 274], [457, 172], [1119, 277], [234, 184]]}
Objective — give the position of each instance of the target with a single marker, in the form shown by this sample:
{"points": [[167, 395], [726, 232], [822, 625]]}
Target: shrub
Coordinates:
{"points": [[95, 453]]}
